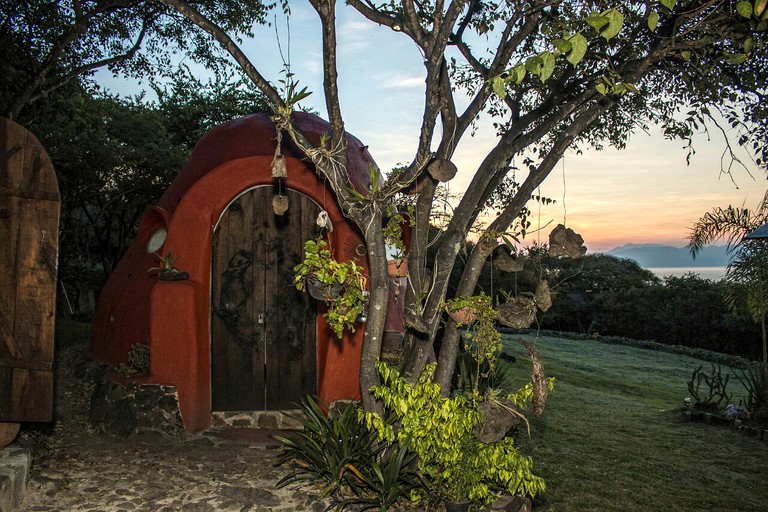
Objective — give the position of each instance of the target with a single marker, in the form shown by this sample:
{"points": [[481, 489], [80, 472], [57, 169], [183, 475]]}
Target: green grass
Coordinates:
{"points": [[612, 437]]}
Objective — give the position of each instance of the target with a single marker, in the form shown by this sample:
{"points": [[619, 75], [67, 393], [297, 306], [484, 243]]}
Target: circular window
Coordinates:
{"points": [[157, 240]]}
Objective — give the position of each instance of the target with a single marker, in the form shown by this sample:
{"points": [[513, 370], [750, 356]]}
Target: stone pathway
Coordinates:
{"points": [[77, 469]]}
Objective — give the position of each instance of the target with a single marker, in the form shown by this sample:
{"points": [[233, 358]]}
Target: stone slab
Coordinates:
{"points": [[15, 461]]}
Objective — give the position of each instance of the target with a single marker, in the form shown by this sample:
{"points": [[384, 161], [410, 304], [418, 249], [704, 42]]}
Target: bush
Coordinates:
{"points": [[337, 449]]}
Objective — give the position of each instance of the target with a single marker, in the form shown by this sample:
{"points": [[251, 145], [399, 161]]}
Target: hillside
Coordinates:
{"points": [[654, 255]]}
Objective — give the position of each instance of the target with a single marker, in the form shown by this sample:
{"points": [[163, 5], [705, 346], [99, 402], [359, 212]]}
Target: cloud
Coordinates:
{"points": [[400, 81]]}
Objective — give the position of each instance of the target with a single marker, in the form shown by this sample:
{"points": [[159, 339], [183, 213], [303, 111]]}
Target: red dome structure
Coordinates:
{"points": [[236, 335]]}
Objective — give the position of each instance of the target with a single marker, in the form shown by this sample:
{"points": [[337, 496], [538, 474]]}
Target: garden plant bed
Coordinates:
{"points": [[711, 418]]}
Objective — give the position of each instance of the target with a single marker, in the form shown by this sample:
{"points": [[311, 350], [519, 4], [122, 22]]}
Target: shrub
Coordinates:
{"points": [[455, 465], [337, 449]]}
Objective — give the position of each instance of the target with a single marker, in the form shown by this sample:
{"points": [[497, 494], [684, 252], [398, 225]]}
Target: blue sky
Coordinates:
{"points": [[643, 194]]}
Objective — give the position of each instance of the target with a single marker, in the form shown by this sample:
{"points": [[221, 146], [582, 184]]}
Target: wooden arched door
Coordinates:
{"points": [[263, 330]]}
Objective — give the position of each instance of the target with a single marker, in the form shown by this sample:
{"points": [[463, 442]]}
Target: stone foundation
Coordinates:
{"points": [[127, 409]]}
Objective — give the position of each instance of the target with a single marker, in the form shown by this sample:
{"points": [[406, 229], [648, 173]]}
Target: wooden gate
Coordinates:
{"points": [[29, 234], [263, 330]]}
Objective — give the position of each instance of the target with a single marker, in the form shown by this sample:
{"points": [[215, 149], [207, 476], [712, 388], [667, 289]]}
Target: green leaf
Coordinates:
{"points": [[686, 55], [562, 45], [601, 88], [744, 8], [548, 67], [534, 65], [669, 4], [615, 21], [497, 84], [597, 21], [737, 58], [578, 48], [749, 45], [653, 21], [519, 73]]}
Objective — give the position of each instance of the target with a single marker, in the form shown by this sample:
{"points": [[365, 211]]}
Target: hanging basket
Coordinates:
{"points": [[463, 316], [505, 261], [442, 170], [280, 204], [397, 268], [542, 297], [321, 291], [566, 242], [517, 313]]}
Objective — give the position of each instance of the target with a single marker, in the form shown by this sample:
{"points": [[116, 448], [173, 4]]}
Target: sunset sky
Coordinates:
{"points": [[643, 194]]}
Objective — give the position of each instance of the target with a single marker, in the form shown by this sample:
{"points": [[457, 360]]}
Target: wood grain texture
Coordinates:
{"points": [[29, 223], [263, 346]]}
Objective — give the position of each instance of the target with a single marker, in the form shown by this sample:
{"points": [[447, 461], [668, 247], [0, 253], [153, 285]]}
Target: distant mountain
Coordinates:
{"points": [[653, 255]]}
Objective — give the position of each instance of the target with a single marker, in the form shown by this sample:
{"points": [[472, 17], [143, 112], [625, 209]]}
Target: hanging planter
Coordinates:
{"points": [[321, 291], [341, 285], [506, 262], [463, 316], [442, 170], [542, 297], [280, 204], [397, 268], [517, 313], [566, 242]]}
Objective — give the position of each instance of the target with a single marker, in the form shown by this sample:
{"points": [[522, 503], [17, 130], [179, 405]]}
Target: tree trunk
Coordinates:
{"points": [[377, 309], [765, 349]]}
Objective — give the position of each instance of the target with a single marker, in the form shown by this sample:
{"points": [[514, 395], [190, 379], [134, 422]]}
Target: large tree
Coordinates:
{"points": [[45, 45], [560, 74]]}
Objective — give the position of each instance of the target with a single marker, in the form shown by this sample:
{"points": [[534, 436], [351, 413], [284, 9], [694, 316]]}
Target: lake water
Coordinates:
{"points": [[712, 273]]}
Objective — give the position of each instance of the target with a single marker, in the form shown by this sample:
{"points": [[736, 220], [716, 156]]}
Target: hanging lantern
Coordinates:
{"points": [[280, 204]]}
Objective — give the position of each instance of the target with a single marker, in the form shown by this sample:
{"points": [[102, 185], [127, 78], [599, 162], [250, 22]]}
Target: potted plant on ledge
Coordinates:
{"points": [[341, 285], [167, 271]]}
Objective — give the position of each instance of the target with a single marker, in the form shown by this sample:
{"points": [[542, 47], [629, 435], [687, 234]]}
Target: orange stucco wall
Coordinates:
{"points": [[175, 316]]}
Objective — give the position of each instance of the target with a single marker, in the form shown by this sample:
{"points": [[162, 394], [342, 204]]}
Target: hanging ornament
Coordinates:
{"points": [[507, 262], [278, 166], [518, 312], [442, 170], [280, 204], [542, 297], [323, 222], [566, 242]]}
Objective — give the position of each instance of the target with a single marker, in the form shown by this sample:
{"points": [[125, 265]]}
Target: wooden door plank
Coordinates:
{"points": [[29, 219]]}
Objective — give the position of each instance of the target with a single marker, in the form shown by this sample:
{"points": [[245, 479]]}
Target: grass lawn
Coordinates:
{"points": [[612, 437]]}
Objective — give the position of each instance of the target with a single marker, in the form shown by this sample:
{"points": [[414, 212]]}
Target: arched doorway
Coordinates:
{"points": [[263, 330]]}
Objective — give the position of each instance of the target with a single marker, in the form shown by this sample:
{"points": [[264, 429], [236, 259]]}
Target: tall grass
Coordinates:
{"points": [[613, 439]]}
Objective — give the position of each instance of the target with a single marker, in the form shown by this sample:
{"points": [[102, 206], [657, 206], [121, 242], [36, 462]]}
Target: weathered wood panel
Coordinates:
{"points": [[263, 352], [29, 220]]}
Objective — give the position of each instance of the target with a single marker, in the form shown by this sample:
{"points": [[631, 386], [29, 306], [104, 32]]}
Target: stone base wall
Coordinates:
{"points": [[127, 409]]}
